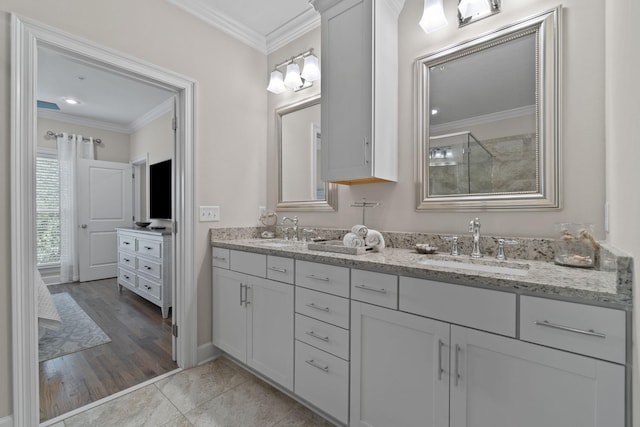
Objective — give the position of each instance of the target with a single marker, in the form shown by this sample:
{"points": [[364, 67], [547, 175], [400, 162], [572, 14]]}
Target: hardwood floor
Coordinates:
{"points": [[140, 349]]}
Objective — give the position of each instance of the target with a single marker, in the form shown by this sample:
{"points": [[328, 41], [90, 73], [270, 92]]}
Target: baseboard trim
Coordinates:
{"points": [[6, 421], [207, 352]]}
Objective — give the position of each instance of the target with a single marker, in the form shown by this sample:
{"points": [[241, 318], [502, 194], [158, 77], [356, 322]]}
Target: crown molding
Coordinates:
{"points": [[278, 38], [484, 119], [201, 10], [151, 115], [83, 121]]}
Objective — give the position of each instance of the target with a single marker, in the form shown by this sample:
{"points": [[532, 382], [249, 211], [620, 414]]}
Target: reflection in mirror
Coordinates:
{"points": [[487, 120], [299, 142]]}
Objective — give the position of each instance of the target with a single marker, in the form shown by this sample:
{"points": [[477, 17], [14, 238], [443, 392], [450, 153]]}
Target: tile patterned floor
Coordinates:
{"points": [[216, 394]]}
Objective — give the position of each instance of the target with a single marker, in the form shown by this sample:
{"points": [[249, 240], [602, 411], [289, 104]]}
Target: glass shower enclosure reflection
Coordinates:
{"points": [[459, 164]]}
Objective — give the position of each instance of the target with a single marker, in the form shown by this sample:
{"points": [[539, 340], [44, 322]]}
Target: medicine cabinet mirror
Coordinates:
{"points": [[299, 160], [487, 115]]}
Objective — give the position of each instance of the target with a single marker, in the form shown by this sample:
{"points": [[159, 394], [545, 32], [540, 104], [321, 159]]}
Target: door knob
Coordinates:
{"points": [[84, 226]]}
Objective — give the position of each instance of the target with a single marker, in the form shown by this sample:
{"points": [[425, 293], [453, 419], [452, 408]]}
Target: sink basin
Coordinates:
{"points": [[277, 243], [486, 267]]}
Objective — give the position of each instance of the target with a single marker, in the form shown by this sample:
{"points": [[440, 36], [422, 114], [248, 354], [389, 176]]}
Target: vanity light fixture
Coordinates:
{"points": [[433, 18], [473, 10], [293, 79]]}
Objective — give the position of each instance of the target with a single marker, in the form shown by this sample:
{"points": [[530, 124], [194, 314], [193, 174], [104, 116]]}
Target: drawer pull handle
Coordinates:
{"points": [[313, 305], [590, 332], [147, 267], [147, 287], [316, 365], [279, 270], [125, 276], [368, 288], [219, 258], [314, 335], [148, 248], [126, 260], [314, 277], [126, 243]]}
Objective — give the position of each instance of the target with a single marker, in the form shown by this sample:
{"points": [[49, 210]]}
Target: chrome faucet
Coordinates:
{"points": [[474, 227], [294, 221]]}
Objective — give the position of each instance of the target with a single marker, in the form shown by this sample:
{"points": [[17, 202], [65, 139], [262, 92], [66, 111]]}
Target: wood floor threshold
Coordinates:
{"points": [[109, 398]]}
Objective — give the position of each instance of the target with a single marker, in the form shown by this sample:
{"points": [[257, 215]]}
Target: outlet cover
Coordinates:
{"points": [[209, 213]]}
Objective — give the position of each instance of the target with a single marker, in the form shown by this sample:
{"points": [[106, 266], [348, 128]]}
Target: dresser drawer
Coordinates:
{"points": [[127, 259], [322, 277], [374, 288], [322, 335], [150, 268], [126, 242], [593, 331], [323, 380], [248, 263], [321, 306], [150, 248], [280, 269], [220, 257], [484, 309], [126, 276], [149, 287]]}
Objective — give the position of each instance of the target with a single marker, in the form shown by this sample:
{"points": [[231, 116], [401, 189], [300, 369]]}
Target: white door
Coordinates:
{"points": [[270, 335], [503, 382], [104, 203], [399, 369], [229, 313]]}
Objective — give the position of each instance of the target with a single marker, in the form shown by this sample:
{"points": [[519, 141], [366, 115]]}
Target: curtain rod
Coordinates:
{"points": [[84, 138]]}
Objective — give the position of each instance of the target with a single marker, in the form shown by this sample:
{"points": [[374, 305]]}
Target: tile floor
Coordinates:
{"points": [[216, 394]]}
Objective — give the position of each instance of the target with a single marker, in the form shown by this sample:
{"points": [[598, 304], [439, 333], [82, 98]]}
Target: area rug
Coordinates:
{"points": [[78, 331]]}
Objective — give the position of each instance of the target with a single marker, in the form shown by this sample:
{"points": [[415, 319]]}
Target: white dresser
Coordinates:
{"points": [[144, 264]]}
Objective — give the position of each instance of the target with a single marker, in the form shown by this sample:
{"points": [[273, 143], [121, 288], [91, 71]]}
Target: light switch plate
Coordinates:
{"points": [[209, 213]]}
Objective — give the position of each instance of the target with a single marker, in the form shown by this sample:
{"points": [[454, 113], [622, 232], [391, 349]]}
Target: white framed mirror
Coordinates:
{"points": [[488, 120], [299, 141]]}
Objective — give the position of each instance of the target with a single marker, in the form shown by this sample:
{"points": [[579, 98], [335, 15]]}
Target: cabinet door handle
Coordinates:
{"points": [[246, 295], [219, 258], [313, 305], [368, 288], [279, 270], [456, 359], [366, 143], [316, 365], [314, 277], [589, 332], [241, 300], [440, 370], [314, 335]]}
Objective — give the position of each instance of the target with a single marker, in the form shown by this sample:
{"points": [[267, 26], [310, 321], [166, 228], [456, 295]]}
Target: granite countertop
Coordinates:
{"points": [[608, 288]]}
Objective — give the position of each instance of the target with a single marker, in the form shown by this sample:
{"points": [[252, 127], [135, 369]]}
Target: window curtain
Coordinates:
{"points": [[70, 149]]}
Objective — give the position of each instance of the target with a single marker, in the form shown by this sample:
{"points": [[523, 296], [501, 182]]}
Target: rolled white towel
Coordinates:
{"points": [[360, 230], [352, 240], [375, 240]]}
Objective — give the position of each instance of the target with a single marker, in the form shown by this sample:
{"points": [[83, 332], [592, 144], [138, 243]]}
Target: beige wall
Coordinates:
{"points": [[115, 146], [582, 135], [156, 138], [623, 148], [231, 125]]}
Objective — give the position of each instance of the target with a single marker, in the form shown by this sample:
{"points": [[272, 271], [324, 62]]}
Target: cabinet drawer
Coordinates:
{"points": [[322, 277], [593, 331], [126, 259], [126, 243], [280, 268], [149, 287], [374, 288], [322, 380], [248, 262], [325, 307], [322, 335], [150, 268], [484, 309], [220, 257], [126, 276], [150, 248]]}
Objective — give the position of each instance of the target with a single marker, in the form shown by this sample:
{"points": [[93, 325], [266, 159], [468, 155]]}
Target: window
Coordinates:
{"points": [[47, 210]]}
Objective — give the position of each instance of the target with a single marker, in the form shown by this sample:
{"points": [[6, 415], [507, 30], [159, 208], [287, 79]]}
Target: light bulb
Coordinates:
{"points": [[292, 79], [276, 84], [311, 70], [433, 17]]}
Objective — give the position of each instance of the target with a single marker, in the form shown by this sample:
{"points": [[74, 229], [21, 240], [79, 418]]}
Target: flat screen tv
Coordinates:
{"points": [[160, 190]]}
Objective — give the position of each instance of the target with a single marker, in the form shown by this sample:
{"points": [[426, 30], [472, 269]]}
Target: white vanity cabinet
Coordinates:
{"points": [[144, 265], [253, 316], [359, 90], [503, 382]]}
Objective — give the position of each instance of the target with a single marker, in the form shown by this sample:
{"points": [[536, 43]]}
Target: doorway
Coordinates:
{"points": [[27, 37]]}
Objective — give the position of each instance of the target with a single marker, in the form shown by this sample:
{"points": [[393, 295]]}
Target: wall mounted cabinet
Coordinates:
{"points": [[359, 90]]}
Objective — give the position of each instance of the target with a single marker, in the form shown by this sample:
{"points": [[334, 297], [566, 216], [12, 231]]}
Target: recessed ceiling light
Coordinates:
{"points": [[71, 101]]}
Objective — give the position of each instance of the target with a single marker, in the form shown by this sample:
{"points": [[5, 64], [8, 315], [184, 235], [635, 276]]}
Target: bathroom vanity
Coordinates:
{"points": [[398, 338]]}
